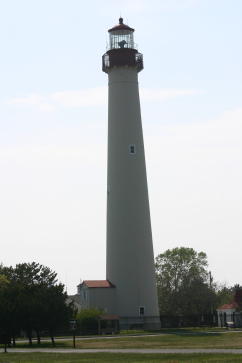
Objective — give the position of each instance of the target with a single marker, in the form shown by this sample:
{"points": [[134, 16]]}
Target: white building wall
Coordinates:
{"points": [[98, 298], [102, 298], [225, 315]]}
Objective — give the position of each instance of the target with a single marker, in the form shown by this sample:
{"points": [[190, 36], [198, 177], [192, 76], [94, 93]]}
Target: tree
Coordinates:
{"points": [[225, 294], [57, 313], [4, 318], [35, 300], [9, 307], [184, 284], [32, 274], [36, 281], [238, 296]]}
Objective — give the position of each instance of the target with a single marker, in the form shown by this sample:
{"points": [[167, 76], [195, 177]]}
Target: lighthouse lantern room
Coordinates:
{"points": [[121, 36], [121, 48]]}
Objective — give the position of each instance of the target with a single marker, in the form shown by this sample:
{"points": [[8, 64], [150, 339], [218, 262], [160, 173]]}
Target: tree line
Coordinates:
{"points": [[31, 299], [187, 293]]}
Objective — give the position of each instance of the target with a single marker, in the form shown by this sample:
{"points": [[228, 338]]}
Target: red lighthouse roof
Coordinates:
{"points": [[121, 26]]}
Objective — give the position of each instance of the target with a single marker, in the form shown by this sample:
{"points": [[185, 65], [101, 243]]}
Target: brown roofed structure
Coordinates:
{"points": [[98, 283], [232, 305]]}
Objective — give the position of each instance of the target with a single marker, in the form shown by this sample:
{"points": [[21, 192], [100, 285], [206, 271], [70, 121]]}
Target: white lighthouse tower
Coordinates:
{"points": [[130, 258]]}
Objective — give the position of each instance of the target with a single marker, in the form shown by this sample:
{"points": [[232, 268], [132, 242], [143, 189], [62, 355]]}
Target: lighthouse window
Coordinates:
{"points": [[121, 39], [132, 149], [141, 310]]}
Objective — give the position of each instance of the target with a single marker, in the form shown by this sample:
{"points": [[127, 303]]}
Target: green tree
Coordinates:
{"points": [[9, 307], [238, 296], [225, 294], [4, 318], [4, 282], [184, 283], [57, 313], [32, 274], [37, 281], [35, 300]]}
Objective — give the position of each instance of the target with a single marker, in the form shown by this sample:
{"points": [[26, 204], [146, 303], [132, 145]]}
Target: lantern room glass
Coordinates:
{"points": [[121, 39]]}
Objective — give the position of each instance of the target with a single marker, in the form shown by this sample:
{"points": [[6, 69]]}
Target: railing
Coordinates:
{"points": [[127, 45]]}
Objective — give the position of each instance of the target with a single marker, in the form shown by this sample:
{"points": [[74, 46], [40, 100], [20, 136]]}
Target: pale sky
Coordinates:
{"points": [[53, 130]]}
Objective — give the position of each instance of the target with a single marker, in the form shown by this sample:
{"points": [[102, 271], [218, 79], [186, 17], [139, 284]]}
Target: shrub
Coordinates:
{"points": [[87, 321]]}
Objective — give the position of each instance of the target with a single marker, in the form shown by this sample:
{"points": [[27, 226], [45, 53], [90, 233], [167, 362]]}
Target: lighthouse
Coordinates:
{"points": [[129, 248]]}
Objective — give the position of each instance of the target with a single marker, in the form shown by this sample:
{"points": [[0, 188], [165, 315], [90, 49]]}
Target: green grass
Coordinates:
{"points": [[109, 358], [178, 339], [170, 330]]}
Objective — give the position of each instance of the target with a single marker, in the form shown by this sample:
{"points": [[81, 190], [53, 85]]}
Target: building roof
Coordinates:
{"points": [[97, 283], [121, 26], [232, 305]]}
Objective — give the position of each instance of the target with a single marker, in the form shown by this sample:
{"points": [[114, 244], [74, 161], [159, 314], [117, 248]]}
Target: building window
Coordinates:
{"points": [[132, 149], [141, 310]]}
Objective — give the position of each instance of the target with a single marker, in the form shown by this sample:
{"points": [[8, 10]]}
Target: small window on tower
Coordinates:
{"points": [[141, 310], [132, 149]]}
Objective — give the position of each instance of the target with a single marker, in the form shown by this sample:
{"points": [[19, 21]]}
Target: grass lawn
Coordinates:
{"points": [[200, 340], [178, 339], [168, 330], [109, 358]]}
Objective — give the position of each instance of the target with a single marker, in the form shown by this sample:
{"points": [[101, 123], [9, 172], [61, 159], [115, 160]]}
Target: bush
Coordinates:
{"points": [[87, 321]]}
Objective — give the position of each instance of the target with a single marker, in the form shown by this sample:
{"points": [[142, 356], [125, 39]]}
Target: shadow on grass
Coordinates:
{"points": [[58, 344], [191, 332], [176, 331]]}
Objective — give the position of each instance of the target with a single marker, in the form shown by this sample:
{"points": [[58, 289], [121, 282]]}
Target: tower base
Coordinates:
{"points": [[140, 322]]}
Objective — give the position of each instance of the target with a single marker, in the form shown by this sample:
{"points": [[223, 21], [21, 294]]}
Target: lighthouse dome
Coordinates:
{"points": [[121, 26]]}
